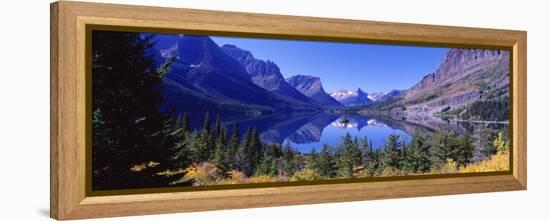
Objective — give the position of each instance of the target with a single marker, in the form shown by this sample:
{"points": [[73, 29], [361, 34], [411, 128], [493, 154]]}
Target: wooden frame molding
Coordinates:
{"points": [[68, 113]]}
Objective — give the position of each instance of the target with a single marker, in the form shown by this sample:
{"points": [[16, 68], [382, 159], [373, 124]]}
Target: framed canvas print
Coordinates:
{"points": [[159, 110]]}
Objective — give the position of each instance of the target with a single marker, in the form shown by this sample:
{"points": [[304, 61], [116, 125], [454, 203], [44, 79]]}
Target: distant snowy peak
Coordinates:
{"points": [[343, 94], [375, 96], [352, 98]]}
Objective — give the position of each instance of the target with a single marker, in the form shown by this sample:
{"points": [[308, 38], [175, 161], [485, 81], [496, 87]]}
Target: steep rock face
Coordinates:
{"points": [[352, 98], [391, 96], [266, 74], [465, 76], [461, 63], [312, 87]]}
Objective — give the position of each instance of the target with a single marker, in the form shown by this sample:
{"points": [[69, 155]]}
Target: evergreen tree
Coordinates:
{"points": [[180, 153], [465, 150], [418, 156], [441, 149], [486, 139], [199, 150], [218, 158], [218, 126], [311, 159], [366, 152], [288, 156], [206, 125], [369, 158], [185, 123], [125, 105], [242, 157], [268, 163], [219, 155], [255, 148], [350, 155], [404, 160], [207, 138], [233, 146], [392, 153], [326, 163]]}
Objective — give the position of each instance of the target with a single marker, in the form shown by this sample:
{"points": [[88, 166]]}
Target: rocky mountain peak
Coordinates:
{"points": [[457, 64], [311, 86], [306, 84], [265, 74], [375, 96], [352, 98], [361, 92], [201, 52]]}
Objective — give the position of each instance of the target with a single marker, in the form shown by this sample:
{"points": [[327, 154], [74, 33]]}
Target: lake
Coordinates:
{"points": [[309, 131], [357, 126]]}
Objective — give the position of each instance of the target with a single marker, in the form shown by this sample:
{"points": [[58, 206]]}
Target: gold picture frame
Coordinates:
{"points": [[70, 195]]}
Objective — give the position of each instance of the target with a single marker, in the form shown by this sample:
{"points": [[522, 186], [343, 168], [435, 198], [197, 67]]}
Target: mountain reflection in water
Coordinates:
{"points": [[311, 131]]}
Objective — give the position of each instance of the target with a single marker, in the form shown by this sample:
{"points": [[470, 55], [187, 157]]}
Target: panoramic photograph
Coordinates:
{"points": [[173, 110]]}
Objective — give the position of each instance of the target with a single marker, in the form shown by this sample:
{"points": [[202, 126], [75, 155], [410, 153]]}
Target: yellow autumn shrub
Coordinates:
{"points": [[262, 179], [234, 177], [202, 174], [305, 174], [169, 173], [498, 162], [449, 167]]}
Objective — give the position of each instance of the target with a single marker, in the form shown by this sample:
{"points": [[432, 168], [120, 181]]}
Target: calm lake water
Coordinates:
{"points": [[357, 126], [311, 131]]}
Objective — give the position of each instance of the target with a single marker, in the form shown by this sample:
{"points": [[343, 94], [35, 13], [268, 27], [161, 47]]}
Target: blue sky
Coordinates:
{"points": [[374, 68]]}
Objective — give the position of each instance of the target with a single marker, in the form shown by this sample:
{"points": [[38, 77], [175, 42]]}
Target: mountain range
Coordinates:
{"points": [[267, 75], [227, 79], [356, 98], [205, 76], [464, 78]]}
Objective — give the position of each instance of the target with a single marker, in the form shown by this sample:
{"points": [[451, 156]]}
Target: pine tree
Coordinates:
{"points": [[311, 159], [218, 126], [180, 152], [243, 156], [233, 146], [486, 139], [326, 163], [441, 149], [199, 150], [366, 151], [351, 155], [219, 155], [405, 164], [418, 155], [465, 150], [185, 123], [391, 154], [288, 156], [126, 100], [369, 157], [268, 163], [218, 158], [206, 125], [255, 148]]}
